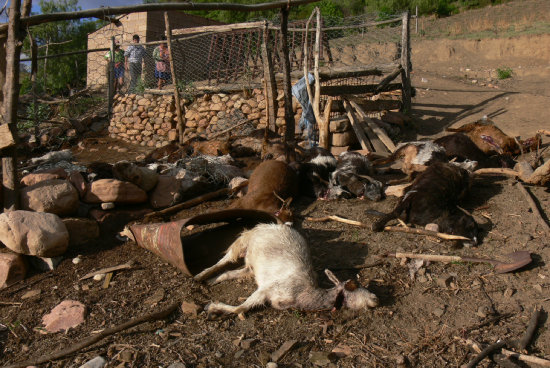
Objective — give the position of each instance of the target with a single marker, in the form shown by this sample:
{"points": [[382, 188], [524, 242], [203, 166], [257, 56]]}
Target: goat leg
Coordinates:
{"points": [[257, 298], [228, 258], [231, 275]]}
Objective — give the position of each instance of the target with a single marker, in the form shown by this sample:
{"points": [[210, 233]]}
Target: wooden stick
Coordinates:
{"points": [[107, 270], [270, 82], [229, 129], [485, 353], [544, 131], [365, 144], [534, 207], [526, 358], [412, 230], [336, 218], [95, 338], [530, 331], [405, 63], [195, 201], [288, 139], [179, 113], [491, 170], [372, 125]]}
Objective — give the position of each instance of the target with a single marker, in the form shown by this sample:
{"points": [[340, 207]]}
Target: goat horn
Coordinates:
{"points": [[278, 197]]}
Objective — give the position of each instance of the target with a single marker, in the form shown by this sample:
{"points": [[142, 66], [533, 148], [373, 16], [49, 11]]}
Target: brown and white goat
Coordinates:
{"points": [[488, 137], [271, 188], [279, 259]]}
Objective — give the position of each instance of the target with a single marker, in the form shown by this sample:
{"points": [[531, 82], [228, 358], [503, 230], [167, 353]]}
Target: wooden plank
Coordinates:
{"points": [[377, 144], [380, 133], [365, 144], [369, 105], [359, 89], [6, 138]]}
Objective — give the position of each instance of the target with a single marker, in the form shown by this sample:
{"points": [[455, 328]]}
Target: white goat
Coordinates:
{"points": [[278, 257]]}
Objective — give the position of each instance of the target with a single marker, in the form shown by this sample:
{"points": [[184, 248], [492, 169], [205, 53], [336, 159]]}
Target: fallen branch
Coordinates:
{"points": [[530, 331], [534, 207], [337, 219], [526, 358], [100, 336], [485, 353], [412, 230], [107, 270], [228, 129]]}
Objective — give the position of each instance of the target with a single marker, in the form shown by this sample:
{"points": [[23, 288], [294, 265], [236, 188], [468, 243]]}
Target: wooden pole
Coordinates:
{"points": [[34, 71], [111, 78], [181, 125], [406, 63], [11, 96], [270, 83], [289, 116], [46, 65], [416, 20]]}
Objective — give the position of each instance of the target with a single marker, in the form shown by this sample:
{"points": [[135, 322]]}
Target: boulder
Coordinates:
{"points": [[12, 269], [42, 175], [112, 190], [143, 177], [52, 196], [166, 193], [67, 314], [34, 233], [81, 230], [77, 180]]}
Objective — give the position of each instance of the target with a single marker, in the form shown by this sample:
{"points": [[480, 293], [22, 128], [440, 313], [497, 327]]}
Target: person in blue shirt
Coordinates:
{"points": [[134, 57]]}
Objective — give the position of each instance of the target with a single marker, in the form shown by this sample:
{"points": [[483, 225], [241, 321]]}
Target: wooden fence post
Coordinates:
{"points": [[289, 139], [11, 97], [34, 71], [270, 84], [406, 63], [111, 78], [181, 125]]}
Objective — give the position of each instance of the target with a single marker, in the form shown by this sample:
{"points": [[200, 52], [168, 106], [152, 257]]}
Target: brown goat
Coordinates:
{"points": [[271, 188], [488, 137]]}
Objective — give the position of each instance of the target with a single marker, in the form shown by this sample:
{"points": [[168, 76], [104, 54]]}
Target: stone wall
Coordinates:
{"points": [[150, 120]]}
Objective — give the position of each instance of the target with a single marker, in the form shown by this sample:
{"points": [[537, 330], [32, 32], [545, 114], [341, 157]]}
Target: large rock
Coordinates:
{"points": [[34, 233], [52, 196], [166, 193], [67, 314], [42, 175], [81, 230], [12, 269], [112, 190], [143, 177], [77, 180]]}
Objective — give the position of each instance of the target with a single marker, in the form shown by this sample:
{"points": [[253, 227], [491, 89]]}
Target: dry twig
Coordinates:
{"points": [[534, 207], [95, 338]]}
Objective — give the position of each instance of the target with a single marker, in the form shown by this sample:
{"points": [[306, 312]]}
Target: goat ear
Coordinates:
{"points": [[332, 277]]}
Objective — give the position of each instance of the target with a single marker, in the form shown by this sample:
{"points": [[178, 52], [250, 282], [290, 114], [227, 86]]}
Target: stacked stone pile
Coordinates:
{"points": [[150, 120]]}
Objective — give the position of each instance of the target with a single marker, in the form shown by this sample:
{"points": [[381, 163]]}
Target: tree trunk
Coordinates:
{"points": [[289, 116], [181, 125]]}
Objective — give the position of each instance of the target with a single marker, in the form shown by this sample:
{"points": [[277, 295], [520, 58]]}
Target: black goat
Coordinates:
{"points": [[433, 198]]}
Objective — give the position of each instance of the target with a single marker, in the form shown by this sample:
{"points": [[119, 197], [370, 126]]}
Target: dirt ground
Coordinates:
{"points": [[425, 319]]}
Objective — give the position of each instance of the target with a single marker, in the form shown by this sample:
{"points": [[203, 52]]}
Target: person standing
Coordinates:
{"points": [[119, 65], [162, 63], [134, 58]]}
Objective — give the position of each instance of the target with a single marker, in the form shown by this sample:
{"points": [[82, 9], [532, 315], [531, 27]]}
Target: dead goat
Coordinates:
{"points": [[279, 259], [354, 174], [433, 198], [415, 156], [315, 171], [488, 137], [271, 188], [459, 146], [99, 170]]}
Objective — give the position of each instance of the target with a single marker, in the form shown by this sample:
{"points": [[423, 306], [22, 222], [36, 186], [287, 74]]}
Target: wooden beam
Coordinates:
{"points": [[186, 6], [373, 126], [365, 144], [179, 114], [359, 89], [220, 28]]}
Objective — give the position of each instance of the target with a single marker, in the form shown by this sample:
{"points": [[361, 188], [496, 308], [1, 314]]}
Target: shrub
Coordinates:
{"points": [[504, 73]]}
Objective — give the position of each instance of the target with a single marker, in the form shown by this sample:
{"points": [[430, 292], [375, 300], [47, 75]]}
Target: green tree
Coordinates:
{"points": [[65, 72]]}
